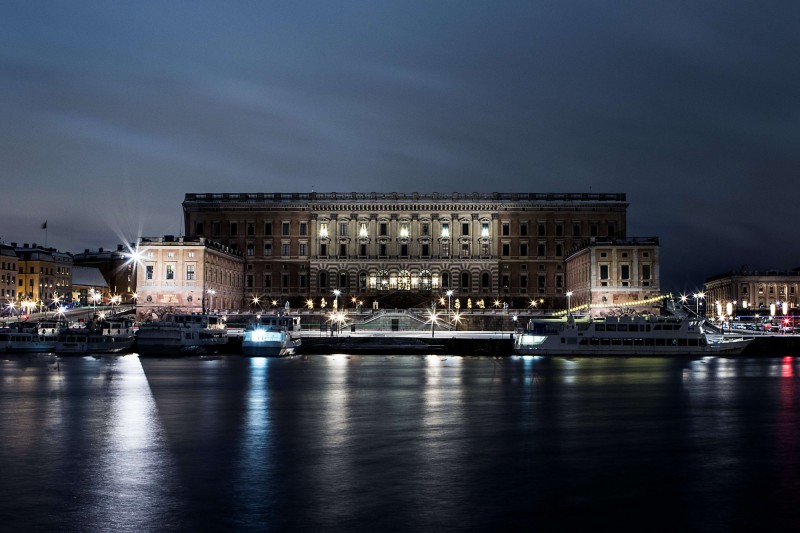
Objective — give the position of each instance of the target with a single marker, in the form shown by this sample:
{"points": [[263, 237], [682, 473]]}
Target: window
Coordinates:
{"points": [[593, 230], [249, 281], [576, 229], [465, 280], [323, 250], [523, 228], [267, 228], [404, 230], [251, 229], [542, 230], [362, 232], [215, 228], [445, 280], [285, 250], [542, 285], [559, 250], [323, 230], [646, 275], [523, 249], [404, 280], [362, 250], [267, 249], [506, 249], [304, 228], [344, 282], [625, 271], [485, 229], [170, 273], [323, 280], [426, 250], [303, 249], [465, 228], [426, 228], [485, 281], [342, 250], [523, 281], [285, 228], [612, 229], [506, 282], [445, 230], [445, 249], [382, 249], [189, 272], [234, 228], [342, 229], [198, 228], [540, 250], [267, 281], [559, 230], [251, 249], [603, 271], [147, 275], [465, 249], [404, 250], [384, 229]]}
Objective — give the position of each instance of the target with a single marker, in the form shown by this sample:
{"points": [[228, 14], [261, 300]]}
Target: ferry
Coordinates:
{"points": [[626, 335], [271, 335], [25, 340], [181, 334], [113, 335]]}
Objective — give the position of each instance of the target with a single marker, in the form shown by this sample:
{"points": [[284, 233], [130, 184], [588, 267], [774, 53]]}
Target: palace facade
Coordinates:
{"points": [[751, 291], [399, 248]]}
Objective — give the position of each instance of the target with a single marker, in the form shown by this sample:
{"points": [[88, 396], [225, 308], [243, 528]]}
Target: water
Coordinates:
{"points": [[336, 443]]}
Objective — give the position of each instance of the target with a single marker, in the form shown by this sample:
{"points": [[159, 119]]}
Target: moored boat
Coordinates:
{"points": [[271, 335], [112, 335], [626, 335], [25, 340], [181, 334]]}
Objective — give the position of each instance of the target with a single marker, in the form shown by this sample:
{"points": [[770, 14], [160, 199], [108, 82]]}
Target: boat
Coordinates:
{"points": [[181, 334], [626, 335], [112, 335], [271, 335], [25, 339]]}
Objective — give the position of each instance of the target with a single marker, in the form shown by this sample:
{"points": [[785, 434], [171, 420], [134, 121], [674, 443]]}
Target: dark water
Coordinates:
{"points": [[335, 443]]}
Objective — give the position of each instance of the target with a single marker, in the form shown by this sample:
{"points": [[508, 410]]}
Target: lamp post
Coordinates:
{"points": [[336, 293], [449, 295], [211, 293], [569, 307], [697, 297]]}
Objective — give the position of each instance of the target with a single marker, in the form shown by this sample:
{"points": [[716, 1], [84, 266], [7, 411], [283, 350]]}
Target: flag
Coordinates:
{"points": [[44, 225]]}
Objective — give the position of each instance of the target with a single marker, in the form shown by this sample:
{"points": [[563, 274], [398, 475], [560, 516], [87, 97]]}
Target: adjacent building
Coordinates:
{"points": [[8, 276], [188, 275], [751, 291], [609, 276], [117, 268], [398, 248], [37, 277]]}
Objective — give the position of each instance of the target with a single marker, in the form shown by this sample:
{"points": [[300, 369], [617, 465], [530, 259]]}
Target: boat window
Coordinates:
{"points": [[622, 327], [600, 327], [616, 342], [661, 342], [611, 327], [605, 342], [573, 340], [693, 342]]}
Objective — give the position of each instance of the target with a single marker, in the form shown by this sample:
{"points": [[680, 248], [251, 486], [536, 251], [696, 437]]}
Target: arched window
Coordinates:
{"points": [[344, 282], [383, 280], [362, 281], [323, 280], [465, 280], [404, 280], [485, 281], [425, 281], [445, 280]]}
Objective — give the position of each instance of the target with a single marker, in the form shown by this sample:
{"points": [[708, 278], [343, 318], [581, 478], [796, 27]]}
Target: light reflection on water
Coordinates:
{"points": [[397, 443]]}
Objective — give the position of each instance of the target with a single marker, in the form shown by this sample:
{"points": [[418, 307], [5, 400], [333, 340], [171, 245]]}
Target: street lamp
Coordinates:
{"points": [[697, 297], [211, 293], [569, 307], [449, 295], [336, 293]]}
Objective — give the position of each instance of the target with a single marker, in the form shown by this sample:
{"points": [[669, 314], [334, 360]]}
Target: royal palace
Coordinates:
{"points": [[398, 248]]}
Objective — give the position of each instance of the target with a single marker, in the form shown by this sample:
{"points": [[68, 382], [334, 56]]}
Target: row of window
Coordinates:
{"points": [[382, 249], [425, 228]]}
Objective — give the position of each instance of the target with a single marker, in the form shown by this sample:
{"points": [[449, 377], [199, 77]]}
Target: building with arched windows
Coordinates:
{"points": [[400, 248]]}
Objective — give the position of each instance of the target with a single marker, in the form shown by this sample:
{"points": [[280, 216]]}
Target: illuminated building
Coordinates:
{"points": [[751, 291], [43, 273], [610, 276], [399, 248], [8, 276], [187, 275], [116, 267]]}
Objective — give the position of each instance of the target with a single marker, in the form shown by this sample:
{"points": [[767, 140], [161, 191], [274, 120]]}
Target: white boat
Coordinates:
{"points": [[626, 335], [111, 336], [25, 340], [271, 335], [180, 334]]}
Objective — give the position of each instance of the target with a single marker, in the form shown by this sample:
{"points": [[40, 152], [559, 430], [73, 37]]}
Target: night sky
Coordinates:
{"points": [[111, 111]]}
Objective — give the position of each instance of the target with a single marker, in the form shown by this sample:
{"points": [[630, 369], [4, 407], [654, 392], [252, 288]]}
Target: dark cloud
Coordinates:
{"points": [[109, 113]]}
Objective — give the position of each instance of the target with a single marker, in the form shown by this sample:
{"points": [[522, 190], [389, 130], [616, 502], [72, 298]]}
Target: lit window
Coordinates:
{"points": [[323, 230], [404, 230], [363, 231], [445, 230], [485, 229]]}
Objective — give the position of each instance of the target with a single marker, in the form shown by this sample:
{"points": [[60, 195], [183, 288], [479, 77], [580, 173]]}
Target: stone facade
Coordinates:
{"points": [[187, 275], [611, 276], [403, 247], [8, 276], [751, 292]]}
